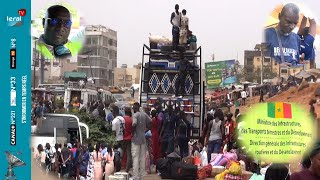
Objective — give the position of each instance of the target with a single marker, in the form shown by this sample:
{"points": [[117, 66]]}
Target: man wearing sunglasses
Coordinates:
{"points": [[57, 25]]}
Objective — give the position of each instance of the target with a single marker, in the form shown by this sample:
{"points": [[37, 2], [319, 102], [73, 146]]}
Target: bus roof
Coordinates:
{"points": [[40, 89]]}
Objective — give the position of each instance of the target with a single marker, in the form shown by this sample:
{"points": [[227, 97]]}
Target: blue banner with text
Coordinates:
{"points": [[15, 66]]}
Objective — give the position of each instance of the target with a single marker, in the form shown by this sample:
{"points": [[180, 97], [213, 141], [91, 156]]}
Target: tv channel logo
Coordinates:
{"points": [[16, 20], [13, 52]]}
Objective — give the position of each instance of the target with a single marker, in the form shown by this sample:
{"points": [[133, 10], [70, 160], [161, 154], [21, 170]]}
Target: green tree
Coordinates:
{"points": [[239, 72], [257, 76], [268, 73], [99, 129]]}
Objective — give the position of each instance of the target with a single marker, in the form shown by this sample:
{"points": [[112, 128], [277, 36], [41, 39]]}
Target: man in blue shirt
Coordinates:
{"points": [[290, 41], [307, 35], [110, 117], [104, 149]]}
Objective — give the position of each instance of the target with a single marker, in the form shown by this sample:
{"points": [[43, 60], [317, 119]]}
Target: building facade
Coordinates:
{"points": [[126, 77], [254, 61], [53, 69], [98, 58]]}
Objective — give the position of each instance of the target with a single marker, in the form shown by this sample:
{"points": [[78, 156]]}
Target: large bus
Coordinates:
{"points": [[159, 73], [52, 87], [58, 128], [74, 91], [41, 94], [56, 89]]}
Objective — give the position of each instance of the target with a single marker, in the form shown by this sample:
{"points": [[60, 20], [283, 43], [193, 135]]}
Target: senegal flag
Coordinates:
{"points": [[279, 110]]}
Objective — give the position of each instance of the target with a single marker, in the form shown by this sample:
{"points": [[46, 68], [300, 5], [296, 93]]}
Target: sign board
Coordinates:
{"points": [[220, 73]]}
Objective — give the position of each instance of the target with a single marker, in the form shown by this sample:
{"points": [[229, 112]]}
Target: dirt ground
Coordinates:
{"points": [[292, 95]]}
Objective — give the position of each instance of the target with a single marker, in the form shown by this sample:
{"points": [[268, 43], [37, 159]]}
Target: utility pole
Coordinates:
{"points": [[42, 63], [88, 57], [261, 50], [261, 47], [237, 57], [35, 57]]}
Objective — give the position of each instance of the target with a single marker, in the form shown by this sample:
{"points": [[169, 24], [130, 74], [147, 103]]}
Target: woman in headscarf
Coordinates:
{"points": [[312, 172]]}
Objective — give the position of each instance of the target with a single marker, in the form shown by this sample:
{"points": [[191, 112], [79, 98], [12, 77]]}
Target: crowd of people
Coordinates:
{"points": [[76, 161], [142, 137]]}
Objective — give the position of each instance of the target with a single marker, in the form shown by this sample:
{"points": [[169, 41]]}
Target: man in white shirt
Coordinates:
{"points": [[244, 97], [175, 20], [184, 28], [118, 125]]}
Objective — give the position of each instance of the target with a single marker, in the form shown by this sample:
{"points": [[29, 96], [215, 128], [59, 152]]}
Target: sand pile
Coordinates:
{"points": [[292, 95]]}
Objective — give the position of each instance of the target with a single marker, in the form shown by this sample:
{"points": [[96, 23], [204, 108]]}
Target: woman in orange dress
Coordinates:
{"points": [[98, 171]]}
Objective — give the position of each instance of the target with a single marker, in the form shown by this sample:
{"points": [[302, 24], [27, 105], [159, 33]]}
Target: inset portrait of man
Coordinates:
{"points": [[54, 43], [282, 43]]}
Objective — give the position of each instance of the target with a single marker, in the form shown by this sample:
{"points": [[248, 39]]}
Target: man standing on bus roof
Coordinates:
{"points": [[57, 26], [175, 20], [184, 24]]}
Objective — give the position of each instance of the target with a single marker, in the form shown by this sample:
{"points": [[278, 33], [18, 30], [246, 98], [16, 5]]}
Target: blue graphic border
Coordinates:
{"points": [[13, 78]]}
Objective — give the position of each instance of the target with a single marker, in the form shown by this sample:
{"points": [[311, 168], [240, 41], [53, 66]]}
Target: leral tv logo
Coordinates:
{"points": [[16, 20]]}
